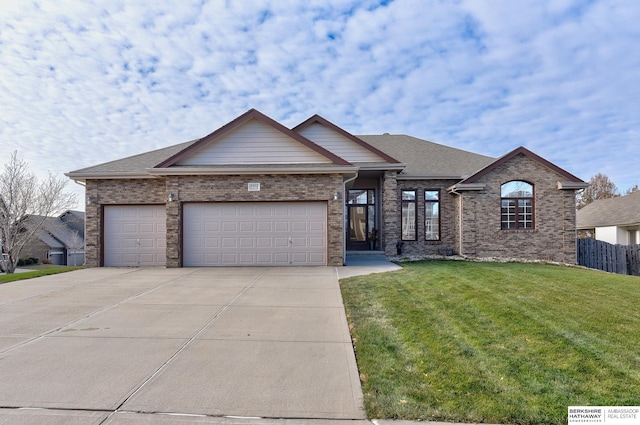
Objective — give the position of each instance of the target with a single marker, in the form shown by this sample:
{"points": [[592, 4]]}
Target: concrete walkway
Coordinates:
{"points": [[174, 346]]}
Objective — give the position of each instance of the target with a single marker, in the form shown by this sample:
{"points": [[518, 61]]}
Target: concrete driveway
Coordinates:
{"points": [[140, 346]]}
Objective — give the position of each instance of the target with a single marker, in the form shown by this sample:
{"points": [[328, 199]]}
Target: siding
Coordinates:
{"points": [[254, 143], [338, 144]]}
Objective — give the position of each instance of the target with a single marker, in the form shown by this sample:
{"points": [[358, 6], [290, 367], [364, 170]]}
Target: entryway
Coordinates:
{"points": [[362, 230]]}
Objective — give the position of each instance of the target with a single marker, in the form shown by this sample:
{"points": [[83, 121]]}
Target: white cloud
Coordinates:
{"points": [[86, 82]]}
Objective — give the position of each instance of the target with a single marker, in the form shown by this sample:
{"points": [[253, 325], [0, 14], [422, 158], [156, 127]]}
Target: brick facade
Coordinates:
{"points": [[448, 227], [469, 222], [273, 188], [553, 236], [390, 214]]}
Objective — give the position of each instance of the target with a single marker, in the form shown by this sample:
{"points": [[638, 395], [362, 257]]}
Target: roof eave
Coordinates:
{"points": [[118, 175], [429, 177], [466, 187], [381, 167], [569, 185]]}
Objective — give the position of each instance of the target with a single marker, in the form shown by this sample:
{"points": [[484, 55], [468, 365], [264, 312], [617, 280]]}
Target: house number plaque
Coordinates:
{"points": [[254, 187]]}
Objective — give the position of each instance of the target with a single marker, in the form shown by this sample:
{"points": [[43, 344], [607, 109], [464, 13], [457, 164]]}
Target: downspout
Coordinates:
{"points": [[344, 217], [459, 195]]}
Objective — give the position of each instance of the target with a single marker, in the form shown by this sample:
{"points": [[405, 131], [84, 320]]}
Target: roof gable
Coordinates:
{"points": [[252, 138], [521, 151], [341, 142]]}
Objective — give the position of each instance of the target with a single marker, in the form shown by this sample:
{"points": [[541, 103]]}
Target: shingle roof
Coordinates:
{"points": [[424, 158], [55, 232], [136, 163], [618, 211]]}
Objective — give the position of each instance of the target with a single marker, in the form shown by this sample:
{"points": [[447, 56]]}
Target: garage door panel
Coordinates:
{"points": [[134, 235], [281, 242], [211, 243], [316, 242], [299, 226], [256, 234], [148, 228], [264, 226], [315, 226], [299, 242], [211, 259], [247, 226], [210, 227], [229, 226], [281, 226], [280, 257], [127, 228], [315, 257], [126, 243], [246, 243], [264, 242]]}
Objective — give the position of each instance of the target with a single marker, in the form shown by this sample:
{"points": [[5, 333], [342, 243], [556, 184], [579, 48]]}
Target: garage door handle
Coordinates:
{"points": [[290, 241]]}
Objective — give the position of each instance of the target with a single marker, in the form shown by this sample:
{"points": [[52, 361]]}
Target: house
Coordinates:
{"points": [[61, 240], [614, 220], [255, 192]]}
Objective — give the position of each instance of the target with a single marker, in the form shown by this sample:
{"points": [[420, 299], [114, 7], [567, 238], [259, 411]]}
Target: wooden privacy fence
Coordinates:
{"points": [[622, 259]]}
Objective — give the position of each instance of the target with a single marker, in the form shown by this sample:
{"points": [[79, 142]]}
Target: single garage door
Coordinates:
{"points": [[255, 234], [135, 235]]}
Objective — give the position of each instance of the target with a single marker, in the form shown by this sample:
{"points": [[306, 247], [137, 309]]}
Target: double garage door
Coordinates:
{"points": [[254, 234], [220, 234]]}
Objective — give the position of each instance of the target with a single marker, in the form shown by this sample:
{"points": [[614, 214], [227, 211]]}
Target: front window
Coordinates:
{"points": [[409, 217], [516, 205], [432, 215]]}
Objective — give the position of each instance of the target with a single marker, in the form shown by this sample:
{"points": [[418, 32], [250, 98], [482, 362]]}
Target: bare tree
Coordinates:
{"points": [[601, 187], [25, 204], [75, 244], [632, 189]]}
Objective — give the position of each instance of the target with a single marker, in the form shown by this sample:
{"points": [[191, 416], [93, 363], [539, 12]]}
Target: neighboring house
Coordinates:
{"points": [[57, 242], [255, 192], [614, 220]]}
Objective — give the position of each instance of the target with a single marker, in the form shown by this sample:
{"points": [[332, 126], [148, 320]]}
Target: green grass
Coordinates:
{"points": [[43, 271], [494, 342]]}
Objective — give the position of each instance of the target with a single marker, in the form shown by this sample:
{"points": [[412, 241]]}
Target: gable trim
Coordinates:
{"points": [[526, 152], [318, 119], [249, 115]]}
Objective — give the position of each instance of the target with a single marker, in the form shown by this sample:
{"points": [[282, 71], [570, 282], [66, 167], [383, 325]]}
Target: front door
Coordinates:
{"points": [[361, 215]]}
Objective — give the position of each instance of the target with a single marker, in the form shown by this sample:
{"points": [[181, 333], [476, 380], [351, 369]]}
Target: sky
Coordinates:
{"points": [[85, 82]]}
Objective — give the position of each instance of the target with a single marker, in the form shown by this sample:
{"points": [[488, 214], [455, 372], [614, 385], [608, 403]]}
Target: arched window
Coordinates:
{"points": [[517, 205]]}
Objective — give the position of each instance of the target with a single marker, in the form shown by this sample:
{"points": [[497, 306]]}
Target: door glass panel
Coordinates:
{"points": [[357, 223], [357, 196]]}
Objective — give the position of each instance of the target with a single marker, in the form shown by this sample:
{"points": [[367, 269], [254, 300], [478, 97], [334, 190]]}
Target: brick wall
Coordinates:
{"points": [[554, 235], [211, 189], [391, 225], [421, 246]]}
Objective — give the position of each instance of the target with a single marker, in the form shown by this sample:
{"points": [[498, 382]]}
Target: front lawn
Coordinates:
{"points": [[494, 342], [40, 271]]}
